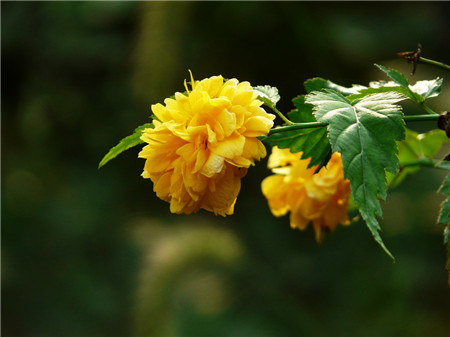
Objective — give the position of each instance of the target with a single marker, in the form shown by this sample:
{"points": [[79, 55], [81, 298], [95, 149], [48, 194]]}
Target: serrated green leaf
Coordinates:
{"points": [[427, 89], [382, 84], [418, 92], [447, 234], [303, 112], [402, 81], [364, 133], [126, 143], [269, 95], [443, 165], [444, 218], [313, 142], [395, 75], [318, 83], [447, 247], [412, 149], [421, 145], [369, 91], [445, 189]]}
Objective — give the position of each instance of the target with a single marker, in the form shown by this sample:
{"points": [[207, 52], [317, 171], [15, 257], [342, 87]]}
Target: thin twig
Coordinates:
{"points": [[434, 63]]}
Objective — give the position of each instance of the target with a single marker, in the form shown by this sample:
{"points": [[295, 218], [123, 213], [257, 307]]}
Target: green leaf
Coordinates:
{"points": [[444, 214], [427, 89], [318, 83], [418, 92], [447, 246], [444, 218], [125, 144], [443, 165], [269, 95], [364, 133], [395, 75], [303, 112], [416, 146], [369, 91], [413, 149], [313, 142]]}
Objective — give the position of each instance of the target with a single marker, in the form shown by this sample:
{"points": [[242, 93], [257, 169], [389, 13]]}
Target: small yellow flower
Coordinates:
{"points": [[321, 198], [202, 144]]}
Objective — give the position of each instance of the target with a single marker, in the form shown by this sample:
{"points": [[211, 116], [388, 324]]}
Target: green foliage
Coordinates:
{"points": [[444, 214], [444, 218], [414, 150], [418, 92], [364, 133], [125, 144], [443, 165], [395, 75], [381, 89], [313, 142], [447, 241], [428, 89], [269, 95], [318, 83]]}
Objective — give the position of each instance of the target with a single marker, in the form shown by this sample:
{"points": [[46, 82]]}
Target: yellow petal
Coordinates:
{"points": [[186, 151], [257, 126], [230, 147], [227, 122], [161, 112], [254, 149], [200, 160], [213, 165], [212, 85], [229, 89], [221, 201], [298, 221], [162, 186], [272, 188], [282, 157], [244, 94]]}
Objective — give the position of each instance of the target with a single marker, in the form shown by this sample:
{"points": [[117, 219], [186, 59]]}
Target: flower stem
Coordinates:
{"points": [[428, 162], [298, 126], [424, 162], [280, 114], [434, 63], [428, 110], [421, 118]]}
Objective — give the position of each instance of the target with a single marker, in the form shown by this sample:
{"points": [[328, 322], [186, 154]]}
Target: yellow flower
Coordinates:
{"points": [[202, 144], [321, 198]]}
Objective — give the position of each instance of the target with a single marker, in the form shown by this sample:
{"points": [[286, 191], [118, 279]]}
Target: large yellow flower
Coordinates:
{"points": [[202, 144], [321, 198]]}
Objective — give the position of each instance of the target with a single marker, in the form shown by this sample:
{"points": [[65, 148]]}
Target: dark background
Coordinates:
{"points": [[89, 252]]}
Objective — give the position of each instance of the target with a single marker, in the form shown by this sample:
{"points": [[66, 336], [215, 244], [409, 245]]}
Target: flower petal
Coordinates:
{"points": [[321, 198], [257, 126], [202, 143], [230, 147], [213, 165]]}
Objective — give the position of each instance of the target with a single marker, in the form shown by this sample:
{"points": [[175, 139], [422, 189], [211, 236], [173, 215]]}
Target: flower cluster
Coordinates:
{"points": [[320, 197], [202, 143]]}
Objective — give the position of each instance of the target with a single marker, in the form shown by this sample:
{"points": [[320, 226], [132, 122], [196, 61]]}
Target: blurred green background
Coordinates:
{"points": [[96, 253]]}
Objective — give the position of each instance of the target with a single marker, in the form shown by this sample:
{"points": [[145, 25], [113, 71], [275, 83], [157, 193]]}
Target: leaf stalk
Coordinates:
{"points": [[280, 114], [298, 126], [428, 110], [434, 63]]}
